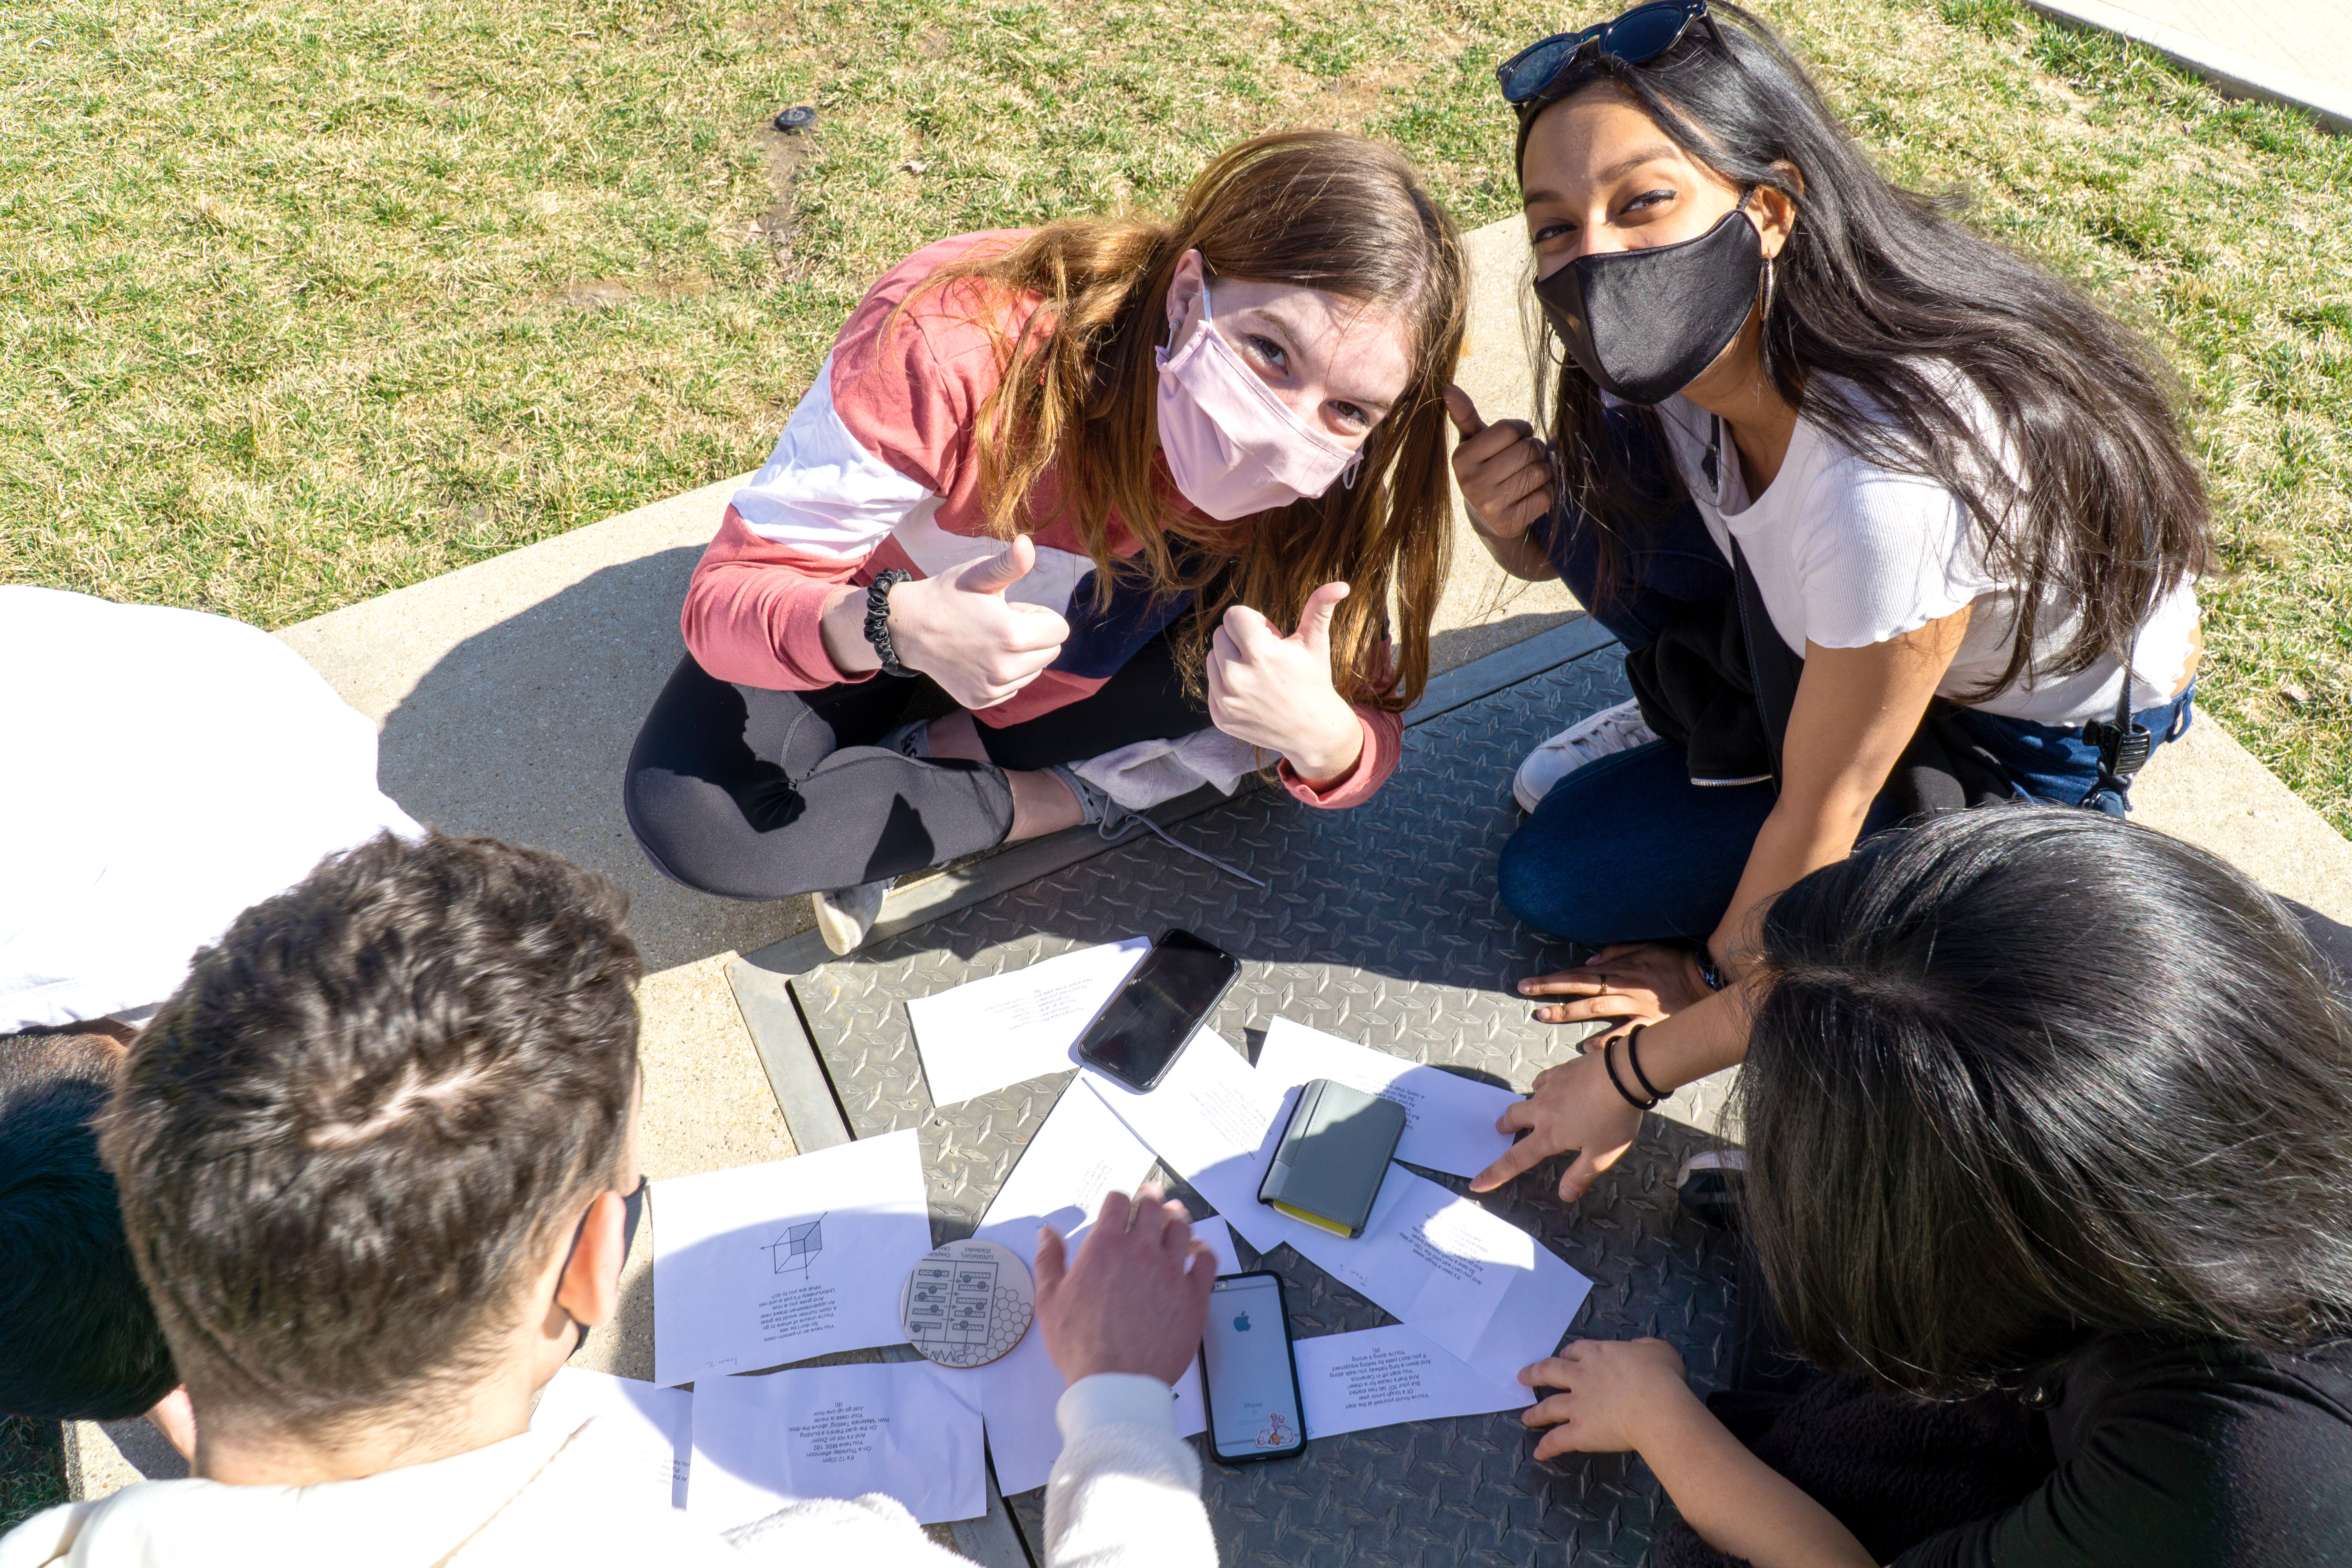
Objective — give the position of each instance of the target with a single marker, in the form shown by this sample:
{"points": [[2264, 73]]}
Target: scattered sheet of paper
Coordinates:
{"points": [[908, 1430], [1449, 1120], [643, 1431], [1478, 1287], [977, 1037], [768, 1264], [1379, 1377], [1080, 1152]]}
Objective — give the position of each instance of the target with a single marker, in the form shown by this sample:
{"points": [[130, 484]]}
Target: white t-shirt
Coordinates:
{"points": [[1847, 554], [165, 770]]}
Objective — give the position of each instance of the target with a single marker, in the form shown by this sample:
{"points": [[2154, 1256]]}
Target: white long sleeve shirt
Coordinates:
{"points": [[1125, 1494]]}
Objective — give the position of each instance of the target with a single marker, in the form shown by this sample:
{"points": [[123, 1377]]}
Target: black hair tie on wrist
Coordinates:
{"points": [[877, 618], [1634, 1060], [1617, 1083]]}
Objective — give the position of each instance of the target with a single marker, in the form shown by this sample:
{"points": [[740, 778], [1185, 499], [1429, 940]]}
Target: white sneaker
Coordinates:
{"points": [[845, 915], [1618, 728]]}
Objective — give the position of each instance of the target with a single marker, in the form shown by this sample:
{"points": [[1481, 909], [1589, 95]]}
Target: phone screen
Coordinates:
{"points": [[1251, 1382], [1141, 1028]]}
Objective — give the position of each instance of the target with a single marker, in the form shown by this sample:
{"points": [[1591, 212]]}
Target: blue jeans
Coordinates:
{"points": [[1627, 848]]}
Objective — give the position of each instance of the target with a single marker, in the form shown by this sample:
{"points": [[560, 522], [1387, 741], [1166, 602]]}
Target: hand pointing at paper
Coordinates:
{"points": [[1136, 1298], [1275, 692]]}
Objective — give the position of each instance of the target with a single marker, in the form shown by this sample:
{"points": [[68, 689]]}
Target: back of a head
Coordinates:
{"points": [[344, 1140], [2023, 1076], [78, 1340]]}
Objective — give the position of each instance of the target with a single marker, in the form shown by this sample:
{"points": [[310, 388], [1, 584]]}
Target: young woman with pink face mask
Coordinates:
{"points": [[1073, 521]]}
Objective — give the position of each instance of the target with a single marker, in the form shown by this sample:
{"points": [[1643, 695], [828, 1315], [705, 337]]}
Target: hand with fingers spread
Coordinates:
{"points": [[1505, 472], [1640, 981], [1574, 1106], [1137, 1297], [1612, 1391], [1276, 692], [958, 628]]}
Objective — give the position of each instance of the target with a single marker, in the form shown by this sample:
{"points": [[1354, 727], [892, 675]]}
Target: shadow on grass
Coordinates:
{"points": [[32, 1468]]}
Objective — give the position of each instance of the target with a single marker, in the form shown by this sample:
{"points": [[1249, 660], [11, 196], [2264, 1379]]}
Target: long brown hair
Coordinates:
{"points": [[1314, 209], [1891, 325]]}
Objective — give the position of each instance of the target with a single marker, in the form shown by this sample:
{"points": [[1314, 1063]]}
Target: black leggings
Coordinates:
{"points": [[751, 793]]}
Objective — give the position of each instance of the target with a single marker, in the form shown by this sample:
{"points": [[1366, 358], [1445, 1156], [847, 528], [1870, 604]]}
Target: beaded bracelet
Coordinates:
{"points": [[878, 617], [1709, 973], [1617, 1083]]}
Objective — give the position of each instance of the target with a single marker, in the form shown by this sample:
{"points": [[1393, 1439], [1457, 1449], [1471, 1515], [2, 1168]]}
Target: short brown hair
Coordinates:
{"points": [[343, 1143]]}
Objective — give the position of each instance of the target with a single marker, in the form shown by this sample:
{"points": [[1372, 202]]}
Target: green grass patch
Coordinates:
{"points": [[32, 1468], [307, 302]]}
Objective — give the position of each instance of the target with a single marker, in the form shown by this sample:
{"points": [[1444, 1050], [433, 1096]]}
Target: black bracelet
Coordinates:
{"points": [[1609, 1062], [878, 617], [1634, 1060], [1710, 975]]}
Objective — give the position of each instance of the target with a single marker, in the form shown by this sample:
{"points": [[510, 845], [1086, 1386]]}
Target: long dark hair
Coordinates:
{"points": [[1315, 208], [2026, 1075], [1888, 319]]}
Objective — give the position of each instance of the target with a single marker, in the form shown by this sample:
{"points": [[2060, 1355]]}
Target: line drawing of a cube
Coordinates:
{"points": [[792, 1252]]}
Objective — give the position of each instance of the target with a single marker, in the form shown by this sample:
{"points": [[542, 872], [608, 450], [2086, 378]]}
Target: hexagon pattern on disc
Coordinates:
{"points": [[967, 1303]]}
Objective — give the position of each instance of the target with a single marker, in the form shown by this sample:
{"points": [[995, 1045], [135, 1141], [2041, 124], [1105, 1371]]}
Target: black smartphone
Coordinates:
{"points": [[1142, 1028], [1249, 1379]]}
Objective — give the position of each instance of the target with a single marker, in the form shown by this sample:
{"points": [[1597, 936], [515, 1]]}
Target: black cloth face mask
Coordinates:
{"points": [[1646, 323]]}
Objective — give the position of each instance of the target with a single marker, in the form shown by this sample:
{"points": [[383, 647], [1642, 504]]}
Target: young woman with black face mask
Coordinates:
{"points": [[1958, 494], [2048, 1218]]}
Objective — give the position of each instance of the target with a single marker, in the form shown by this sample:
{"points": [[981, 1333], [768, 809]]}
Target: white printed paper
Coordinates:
{"points": [[978, 1038], [1379, 1377], [906, 1429], [642, 1432], [1480, 1288], [1449, 1120], [1080, 1153], [768, 1264]]}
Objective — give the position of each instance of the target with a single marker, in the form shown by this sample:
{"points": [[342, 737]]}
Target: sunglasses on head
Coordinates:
{"points": [[1637, 37]]}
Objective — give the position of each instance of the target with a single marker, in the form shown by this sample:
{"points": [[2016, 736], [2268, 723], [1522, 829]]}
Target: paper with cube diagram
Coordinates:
{"points": [[765, 1264]]}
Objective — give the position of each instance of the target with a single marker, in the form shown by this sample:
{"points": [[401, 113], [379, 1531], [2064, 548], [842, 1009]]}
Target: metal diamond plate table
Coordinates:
{"points": [[1381, 925]]}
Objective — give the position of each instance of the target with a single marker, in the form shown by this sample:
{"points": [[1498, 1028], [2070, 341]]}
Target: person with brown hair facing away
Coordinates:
{"points": [[1072, 521], [378, 1166]]}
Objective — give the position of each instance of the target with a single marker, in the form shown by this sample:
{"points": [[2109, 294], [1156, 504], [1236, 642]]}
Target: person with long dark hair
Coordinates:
{"points": [[1074, 520], [1889, 518], [2048, 1209]]}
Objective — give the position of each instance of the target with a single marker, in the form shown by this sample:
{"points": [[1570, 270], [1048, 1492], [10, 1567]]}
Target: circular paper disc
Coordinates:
{"points": [[968, 1303]]}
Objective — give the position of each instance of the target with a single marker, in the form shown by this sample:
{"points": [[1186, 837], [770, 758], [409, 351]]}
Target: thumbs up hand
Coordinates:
{"points": [[961, 630], [1275, 692], [1506, 474]]}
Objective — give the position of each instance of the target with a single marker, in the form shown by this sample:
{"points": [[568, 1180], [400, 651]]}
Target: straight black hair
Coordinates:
{"points": [[2026, 1075], [1895, 328], [78, 1340]]}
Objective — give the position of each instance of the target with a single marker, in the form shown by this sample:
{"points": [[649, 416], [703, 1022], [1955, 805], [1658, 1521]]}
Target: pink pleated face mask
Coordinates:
{"points": [[1233, 447]]}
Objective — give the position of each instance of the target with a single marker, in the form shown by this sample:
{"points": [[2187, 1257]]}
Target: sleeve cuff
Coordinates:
{"points": [[1360, 782], [1115, 1399]]}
